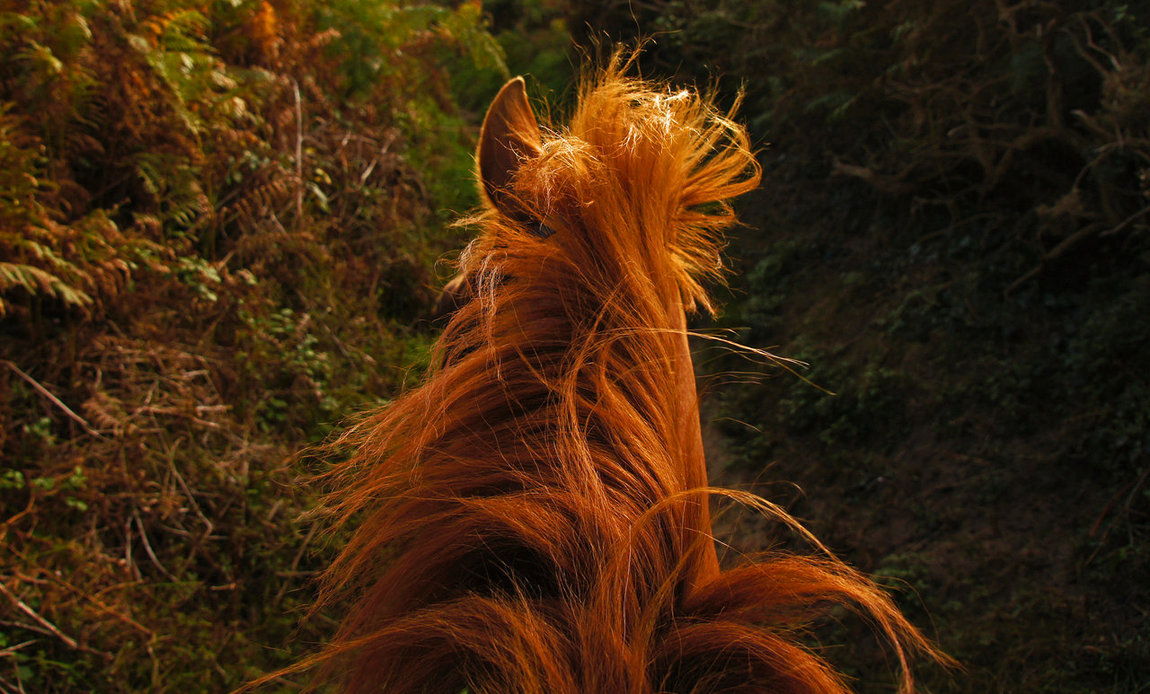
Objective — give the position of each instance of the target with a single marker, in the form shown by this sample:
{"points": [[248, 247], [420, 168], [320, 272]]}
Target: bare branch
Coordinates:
{"points": [[55, 400]]}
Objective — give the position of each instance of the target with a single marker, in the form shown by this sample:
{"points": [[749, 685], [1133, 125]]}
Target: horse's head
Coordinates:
{"points": [[610, 220], [631, 193], [534, 515]]}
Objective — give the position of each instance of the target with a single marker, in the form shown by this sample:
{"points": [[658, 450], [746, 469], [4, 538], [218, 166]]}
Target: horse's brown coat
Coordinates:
{"points": [[535, 515]]}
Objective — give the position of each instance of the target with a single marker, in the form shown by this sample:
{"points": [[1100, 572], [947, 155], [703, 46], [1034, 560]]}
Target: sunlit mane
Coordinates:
{"points": [[534, 516]]}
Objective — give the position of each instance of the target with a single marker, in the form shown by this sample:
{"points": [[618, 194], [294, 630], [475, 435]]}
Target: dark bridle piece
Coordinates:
{"points": [[541, 230]]}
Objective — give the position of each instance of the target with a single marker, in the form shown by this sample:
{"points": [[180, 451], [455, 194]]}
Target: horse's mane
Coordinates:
{"points": [[534, 515]]}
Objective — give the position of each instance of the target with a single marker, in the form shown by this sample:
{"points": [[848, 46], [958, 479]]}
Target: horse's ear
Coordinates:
{"points": [[510, 135]]}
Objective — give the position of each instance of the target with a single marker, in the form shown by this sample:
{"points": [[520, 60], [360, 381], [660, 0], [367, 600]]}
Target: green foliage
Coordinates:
{"points": [[869, 408], [767, 284], [907, 574], [534, 37], [216, 227], [40, 270], [366, 36]]}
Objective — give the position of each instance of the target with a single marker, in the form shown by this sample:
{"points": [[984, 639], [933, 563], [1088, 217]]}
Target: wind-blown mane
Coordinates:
{"points": [[535, 514]]}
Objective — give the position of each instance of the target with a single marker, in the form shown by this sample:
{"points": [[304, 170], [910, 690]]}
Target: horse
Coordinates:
{"points": [[534, 517]]}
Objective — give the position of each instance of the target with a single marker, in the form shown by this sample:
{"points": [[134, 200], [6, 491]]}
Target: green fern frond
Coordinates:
{"points": [[465, 25], [36, 281]]}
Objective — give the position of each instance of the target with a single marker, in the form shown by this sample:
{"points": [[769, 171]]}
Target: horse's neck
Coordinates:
{"points": [[690, 447]]}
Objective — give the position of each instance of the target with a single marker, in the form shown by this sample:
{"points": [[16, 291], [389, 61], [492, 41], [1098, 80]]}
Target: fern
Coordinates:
{"points": [[376, 35], [20, 210], [36, 281], [465, 25], [21, 160], [190, 173]]}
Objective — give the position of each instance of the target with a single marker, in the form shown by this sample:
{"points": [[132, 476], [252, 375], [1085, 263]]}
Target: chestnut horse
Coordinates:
{"points": [[535, 515]]}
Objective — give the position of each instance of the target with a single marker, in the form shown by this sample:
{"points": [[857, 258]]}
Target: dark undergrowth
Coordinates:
{"points": [[954, 232]]}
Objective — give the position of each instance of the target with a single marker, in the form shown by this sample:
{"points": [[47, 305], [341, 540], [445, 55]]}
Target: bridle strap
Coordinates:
{"points": [[541, 230]]}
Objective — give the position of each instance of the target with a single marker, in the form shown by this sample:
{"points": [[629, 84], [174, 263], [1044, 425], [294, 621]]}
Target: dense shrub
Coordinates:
{"points": [[217, 228]]}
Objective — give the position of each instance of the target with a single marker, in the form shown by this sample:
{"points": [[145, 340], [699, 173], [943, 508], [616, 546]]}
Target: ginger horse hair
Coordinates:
{"points": [[535, 515]]}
